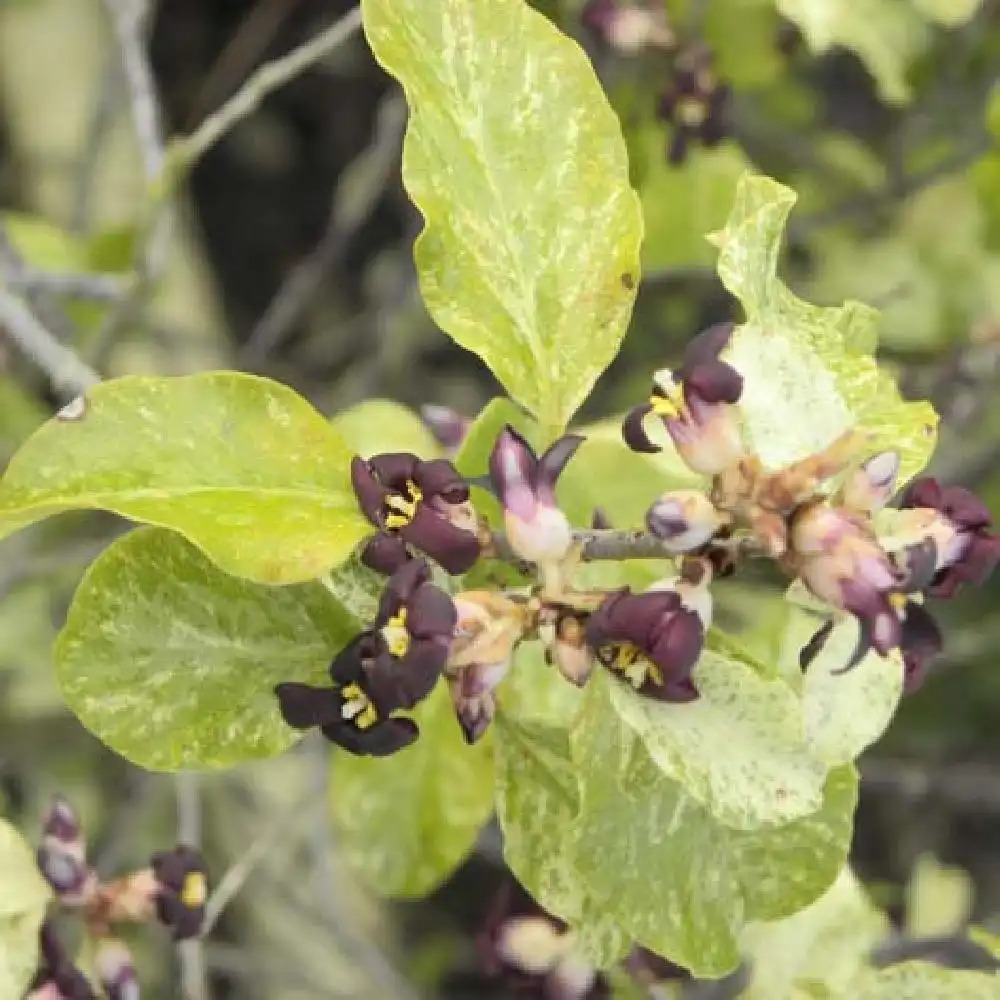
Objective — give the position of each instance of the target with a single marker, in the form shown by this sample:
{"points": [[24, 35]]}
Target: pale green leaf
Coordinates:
{"points": [[950, 13], [172, 663], [826, 943], [739, 750], [473, 457], [845, 713], [939, 899], [885, 34], [241, 466], [406, 822], [673, 877], [379, 425], [923, 981], [530, 254], [23, 902], [809, 373]]}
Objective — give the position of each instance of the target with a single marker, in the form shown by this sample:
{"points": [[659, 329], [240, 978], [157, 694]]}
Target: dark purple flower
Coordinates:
{"points": [[62, 855], [652, 640], [920, 645], [695, 104], [958, 523], [695, 405], [422, 504], [537, 529], [182, 890], [533, 953], [392, 666]]}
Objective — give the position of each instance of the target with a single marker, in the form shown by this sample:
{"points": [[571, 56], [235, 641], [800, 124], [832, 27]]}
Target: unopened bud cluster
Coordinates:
{"points": [[814, 518], [172, 890]]}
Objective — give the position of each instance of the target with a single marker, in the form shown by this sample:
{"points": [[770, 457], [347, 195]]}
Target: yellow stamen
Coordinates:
{"points": [[664, 407], [395, 634], [691, 111], [358, 707], [403, 509], [629, 661], [194, 891], [898, 601]]}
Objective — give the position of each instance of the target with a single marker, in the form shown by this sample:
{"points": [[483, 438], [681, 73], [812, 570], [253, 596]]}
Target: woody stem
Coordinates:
{"points": [[599, 544]]}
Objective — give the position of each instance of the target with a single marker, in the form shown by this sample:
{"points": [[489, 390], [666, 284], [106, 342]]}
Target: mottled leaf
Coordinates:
{"points": [[378, 425], [739, 750], [640, 831], [23, 901], [826, 943], [530, 254], [845, 713], [923, 981], [172, 663], [809, 371], [406, 822], [241, 466]]}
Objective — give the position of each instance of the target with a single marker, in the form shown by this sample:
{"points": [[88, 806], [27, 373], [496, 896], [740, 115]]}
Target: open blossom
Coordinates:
{"points": [[181, 890], [695, 404], [537, 529], [695, 104], [415, 503], [653, 640], [958, 523], [840, 560], [389, 667]]}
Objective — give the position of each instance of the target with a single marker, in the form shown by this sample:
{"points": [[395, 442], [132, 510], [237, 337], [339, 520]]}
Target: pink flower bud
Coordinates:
{"points": [[116, 971], [869, 488], [684, 520]]}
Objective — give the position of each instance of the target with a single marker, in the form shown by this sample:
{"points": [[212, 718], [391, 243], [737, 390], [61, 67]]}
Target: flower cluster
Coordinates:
{"points": [[173, 890], [820, 519]]}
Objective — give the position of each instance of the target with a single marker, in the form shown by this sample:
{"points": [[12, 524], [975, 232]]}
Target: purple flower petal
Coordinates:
{"points": [[676, 644], [394, 468], [634, 433], [385, 553], [705, 348], [925, 492], [400, 588], [431, 614], [714, 382], [454, 548], [304, 707], [439, 477], [369, 491], [551, 465], [921, 642]]}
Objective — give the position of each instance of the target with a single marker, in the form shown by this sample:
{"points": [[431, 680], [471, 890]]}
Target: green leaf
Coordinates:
{"points": [[23, 903], [378, 425], [950, 13], [809, 373], [845, 713], [406, 822], [530, 254], [241, 466], [923, 981], [885, 34], [172, 663], [638, 829], [826, 943], [473, 457], [739, 751]]}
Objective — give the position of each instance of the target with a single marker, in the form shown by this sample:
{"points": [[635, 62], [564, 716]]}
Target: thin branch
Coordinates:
{"points": [[185, 152], [67, 373], [15, 271], [358, 190], [89, 287], [102, 118], [129, 19], [191, 954], [600, 545]]}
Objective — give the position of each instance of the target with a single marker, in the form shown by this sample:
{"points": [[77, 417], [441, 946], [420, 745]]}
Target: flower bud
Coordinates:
{"points": [[62, 856], [536, 528], [684, 520], [627, 28], [448, 426], [869, 488], [568, 650], [472, 690], [116, 971]]}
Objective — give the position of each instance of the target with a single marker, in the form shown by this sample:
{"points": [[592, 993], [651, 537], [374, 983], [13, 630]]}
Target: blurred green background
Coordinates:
{"points": [[291, 257]]}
